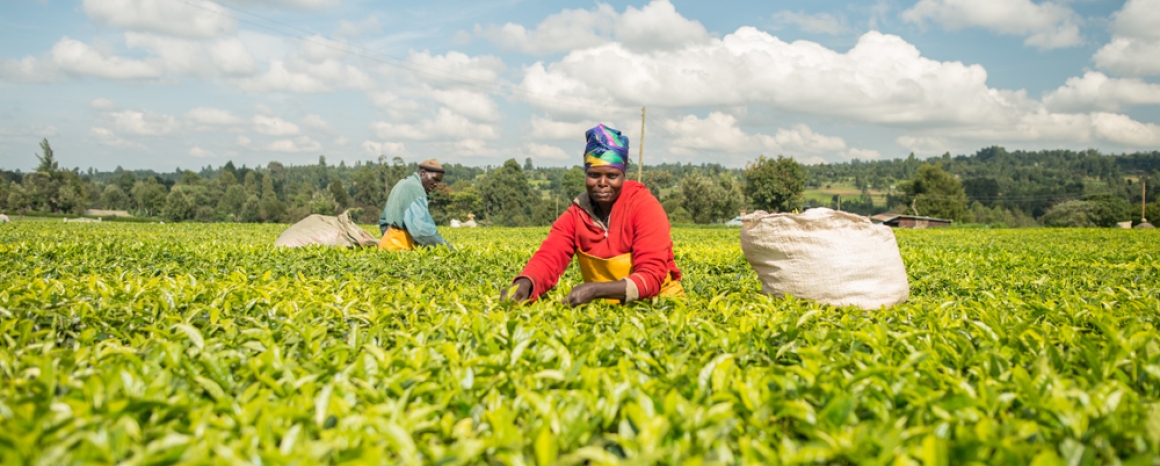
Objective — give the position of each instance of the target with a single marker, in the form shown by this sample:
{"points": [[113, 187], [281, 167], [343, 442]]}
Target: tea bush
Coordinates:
{"points": [[203, 344]]}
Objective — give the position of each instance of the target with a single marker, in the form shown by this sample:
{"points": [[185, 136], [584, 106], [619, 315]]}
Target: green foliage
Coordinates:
{"points": [[48, 164], [508, 198], [775, 185], [202, 344], [149, 196], [1093, 211], [935, 193], [114, 198], [710, 199], [252, 210], [182, 202], [573, 184], [1152, 213], [1106, 210], [232, 201], [1000, 216], [338, 192]]}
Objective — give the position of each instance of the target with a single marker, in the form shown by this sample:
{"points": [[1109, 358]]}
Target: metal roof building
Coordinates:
{"points": [[910, 221]]}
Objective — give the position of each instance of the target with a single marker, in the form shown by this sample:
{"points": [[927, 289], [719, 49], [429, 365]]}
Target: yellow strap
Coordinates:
{"points": [[597, 270], [397, 240]]}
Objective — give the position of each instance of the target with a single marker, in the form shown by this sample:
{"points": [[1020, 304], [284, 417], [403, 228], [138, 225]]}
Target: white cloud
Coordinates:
{"points": [[1138, 19], [446, 125], [925, 145], [178, 56], [296, 145], [298, 4], [397, 108], [205, 117], [824, 23], [863, 154], [656, 26], [546, 128], [274, 126], [79, 58], [102, 103], [262, 109], [29, 70], [45, 130], [317, 48], [452, 67], [195, 19], [1120, 129], [1130, 56], [1135, 45], [567, 30], [1074, 129], [201, 153], [462, 38], [318, 123], [304, 77], [1046, 25], [1096, 91], [390, 149], [475, 105], [539, 152], [349, 29], [108, 138], [718, 133], [341, 141], [882, 79], [232, 57], [144, 123]]}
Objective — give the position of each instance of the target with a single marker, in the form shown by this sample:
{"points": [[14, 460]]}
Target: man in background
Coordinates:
{"points": [[406, 222]]}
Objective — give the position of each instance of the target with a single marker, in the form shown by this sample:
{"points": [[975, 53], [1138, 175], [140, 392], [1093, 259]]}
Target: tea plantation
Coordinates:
{"points": [[202, 344]]}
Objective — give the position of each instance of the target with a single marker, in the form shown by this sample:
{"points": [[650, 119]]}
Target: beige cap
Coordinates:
{"points": [[431, 165]]}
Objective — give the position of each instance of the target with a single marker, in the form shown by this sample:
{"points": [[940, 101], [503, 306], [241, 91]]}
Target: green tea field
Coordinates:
{"points": [[145, 344]]}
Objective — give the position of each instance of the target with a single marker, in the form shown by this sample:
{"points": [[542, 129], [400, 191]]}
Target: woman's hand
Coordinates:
{"points": [[587, 292], [523, 291]]}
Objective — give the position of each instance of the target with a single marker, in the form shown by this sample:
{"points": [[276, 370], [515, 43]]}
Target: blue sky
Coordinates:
{"points": [[163, 84]]}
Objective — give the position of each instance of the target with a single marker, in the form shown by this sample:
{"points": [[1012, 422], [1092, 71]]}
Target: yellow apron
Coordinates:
{"points": [[595, 269], [397, 240]]}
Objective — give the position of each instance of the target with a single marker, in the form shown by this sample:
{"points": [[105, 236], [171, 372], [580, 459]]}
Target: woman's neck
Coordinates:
{"points": [[602, 212]]}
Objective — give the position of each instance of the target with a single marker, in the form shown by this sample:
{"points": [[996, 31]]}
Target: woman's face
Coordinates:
{"points": [[604, 185]]}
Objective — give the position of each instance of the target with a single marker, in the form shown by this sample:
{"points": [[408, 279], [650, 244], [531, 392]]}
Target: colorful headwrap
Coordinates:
{"points": [[606, 147]]}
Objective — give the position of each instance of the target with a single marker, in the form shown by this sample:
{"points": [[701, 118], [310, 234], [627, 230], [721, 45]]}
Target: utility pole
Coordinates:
{"points": [[640, 157], [1143, 199]]}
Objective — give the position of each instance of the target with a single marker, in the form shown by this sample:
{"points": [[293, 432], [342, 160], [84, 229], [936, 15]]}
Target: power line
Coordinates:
{"points": [[394, 61]]}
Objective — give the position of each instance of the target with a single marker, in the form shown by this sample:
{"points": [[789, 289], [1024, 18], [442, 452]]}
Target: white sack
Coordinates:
{"points": [[827, 256], [327, 231]]}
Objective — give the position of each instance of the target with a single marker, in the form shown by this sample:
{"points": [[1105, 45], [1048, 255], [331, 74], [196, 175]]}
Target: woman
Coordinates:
{"points": [[617, 230]]}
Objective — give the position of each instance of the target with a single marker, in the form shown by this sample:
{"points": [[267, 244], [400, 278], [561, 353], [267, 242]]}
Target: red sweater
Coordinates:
{"points": [[638, 224]]}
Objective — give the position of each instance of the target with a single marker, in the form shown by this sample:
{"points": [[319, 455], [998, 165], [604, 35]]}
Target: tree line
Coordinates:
{"points": [[993, 186]]}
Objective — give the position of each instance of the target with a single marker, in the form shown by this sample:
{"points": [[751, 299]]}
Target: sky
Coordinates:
{"points": [[169, 84]]}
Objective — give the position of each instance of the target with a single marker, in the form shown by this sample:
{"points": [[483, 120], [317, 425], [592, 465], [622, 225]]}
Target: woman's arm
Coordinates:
{"points": [[548, 263], [587, 292], [652, 248]]}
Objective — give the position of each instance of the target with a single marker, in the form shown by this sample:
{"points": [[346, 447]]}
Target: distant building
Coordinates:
{"points": [[910, 221], [106, 213]]}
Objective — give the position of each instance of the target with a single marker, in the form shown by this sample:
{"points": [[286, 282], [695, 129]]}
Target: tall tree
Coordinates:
{"points": [[774, 184], [48, 163], [935, 193], [508, 198], [338, 191]]}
